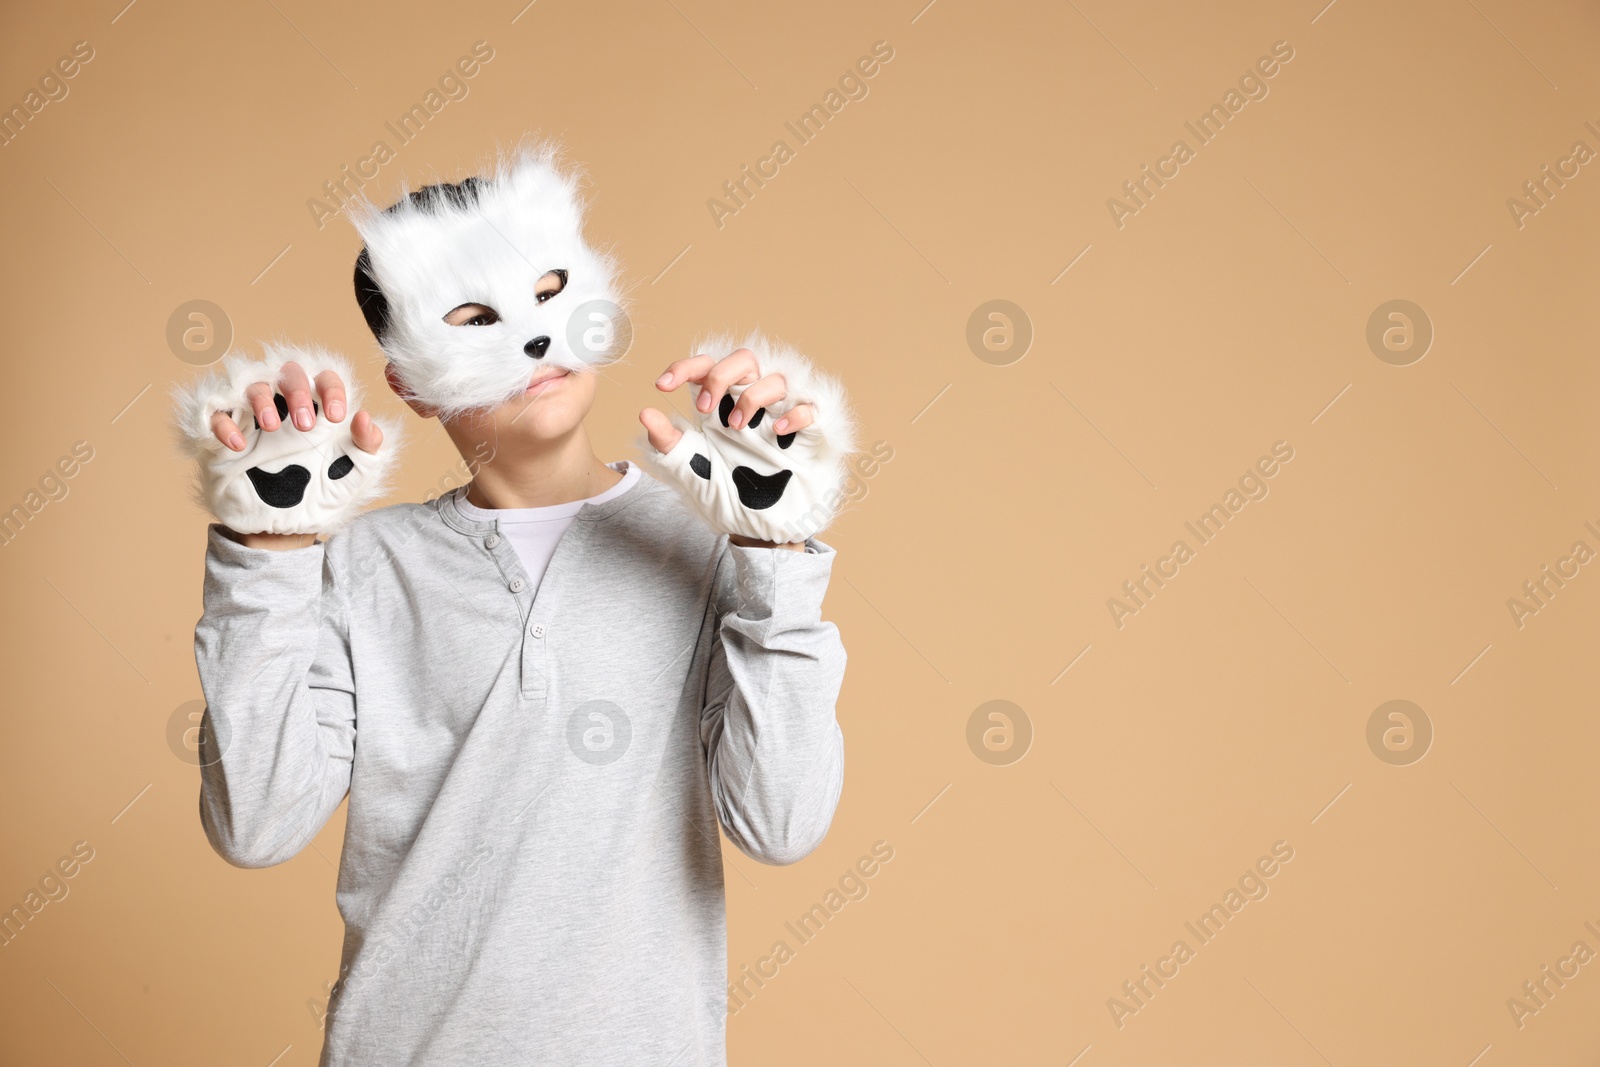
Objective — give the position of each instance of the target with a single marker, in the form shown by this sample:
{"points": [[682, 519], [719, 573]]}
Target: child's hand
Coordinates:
{"points": [[276, 459], [763, 459]]}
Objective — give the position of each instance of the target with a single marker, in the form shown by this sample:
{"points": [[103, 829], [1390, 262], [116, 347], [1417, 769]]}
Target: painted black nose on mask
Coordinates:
{"points": [[537, 347]]}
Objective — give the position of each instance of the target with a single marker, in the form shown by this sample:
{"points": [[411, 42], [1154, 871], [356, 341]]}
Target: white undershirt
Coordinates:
{"points": [[535, 532]]}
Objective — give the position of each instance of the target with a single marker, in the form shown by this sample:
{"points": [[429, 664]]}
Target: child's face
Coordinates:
{"points": [[557, 396], [553, 403], [483, 293]]}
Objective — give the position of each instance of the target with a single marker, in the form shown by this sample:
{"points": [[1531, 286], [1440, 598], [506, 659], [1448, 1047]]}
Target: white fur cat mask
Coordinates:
{"points": [[487, 240]]}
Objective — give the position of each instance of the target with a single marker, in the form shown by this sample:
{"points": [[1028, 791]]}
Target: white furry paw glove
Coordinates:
{"points": [[746, 478], [286, 480]]}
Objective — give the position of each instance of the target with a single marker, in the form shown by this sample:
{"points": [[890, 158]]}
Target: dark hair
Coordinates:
{"points": [[429, 199]]}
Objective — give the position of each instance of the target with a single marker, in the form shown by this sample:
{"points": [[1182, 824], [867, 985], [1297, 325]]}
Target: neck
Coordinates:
{"points": [[534, 474]]}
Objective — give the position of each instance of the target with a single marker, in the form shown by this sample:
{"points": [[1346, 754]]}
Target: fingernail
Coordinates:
{"points": [[780, 426], [664, 380], [302, 418], [704, 402], [335, 410], [735, 419], [236, 442]]}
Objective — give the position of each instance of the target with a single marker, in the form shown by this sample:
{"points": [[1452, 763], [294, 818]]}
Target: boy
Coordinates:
{"points": [[542, 692]]}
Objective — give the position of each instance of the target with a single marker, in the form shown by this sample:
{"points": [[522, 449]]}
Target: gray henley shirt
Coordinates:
{"points": [[531, 870]]}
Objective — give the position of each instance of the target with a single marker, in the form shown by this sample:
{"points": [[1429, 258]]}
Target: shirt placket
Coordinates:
{"points": [[534, 681]]}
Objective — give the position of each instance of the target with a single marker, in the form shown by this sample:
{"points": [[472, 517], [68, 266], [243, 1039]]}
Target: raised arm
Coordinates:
{"points": [[762, 460], [280, 722], [775, 751], [278, 464]]}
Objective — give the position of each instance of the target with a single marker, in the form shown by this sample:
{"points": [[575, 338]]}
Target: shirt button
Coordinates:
{"points": [[518, 585], [538, 631], [491, 540]]}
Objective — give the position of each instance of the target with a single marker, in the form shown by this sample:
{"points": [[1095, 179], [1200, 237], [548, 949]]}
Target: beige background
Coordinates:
{"points": [[1228, 314]]}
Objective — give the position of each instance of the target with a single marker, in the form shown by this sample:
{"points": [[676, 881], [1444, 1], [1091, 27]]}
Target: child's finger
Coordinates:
{"points": [[757, 395], [331, 390], [684, 370], [297, 393], [738, 369], [227, 431], [366, 434], [663, 435], [795, 419], [259, 395]]}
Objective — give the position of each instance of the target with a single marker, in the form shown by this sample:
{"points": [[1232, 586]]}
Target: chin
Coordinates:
{"points": [[548, 412]]}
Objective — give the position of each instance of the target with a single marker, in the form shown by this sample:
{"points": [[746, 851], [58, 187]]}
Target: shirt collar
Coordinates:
{"points": [[461, 523]]}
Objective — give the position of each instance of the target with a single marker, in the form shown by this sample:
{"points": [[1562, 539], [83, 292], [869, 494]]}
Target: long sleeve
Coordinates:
{"points": [[279, 731], [776, 755]]}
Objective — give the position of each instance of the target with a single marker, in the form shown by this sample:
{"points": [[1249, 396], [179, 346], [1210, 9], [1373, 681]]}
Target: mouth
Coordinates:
{"points": [[759, 491], [544, 382]]}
